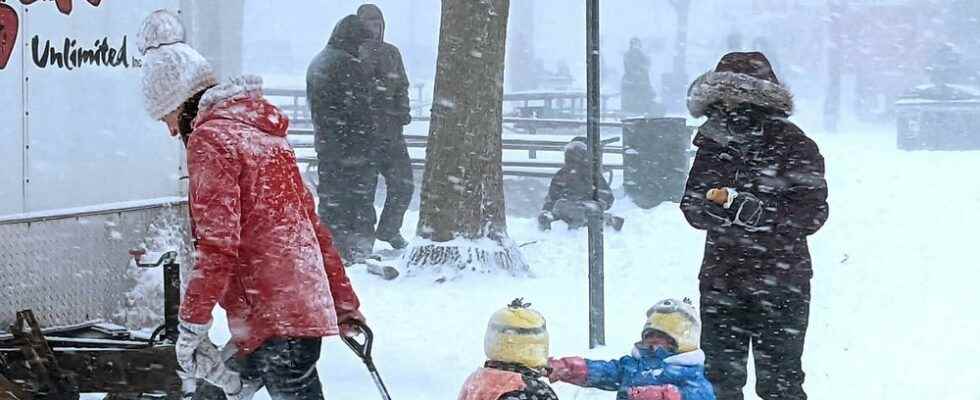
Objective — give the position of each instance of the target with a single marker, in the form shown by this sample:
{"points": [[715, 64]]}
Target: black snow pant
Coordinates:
{"points": [[346, 192], [772, 316], [395, 165], [576, 213], [285, 367]]}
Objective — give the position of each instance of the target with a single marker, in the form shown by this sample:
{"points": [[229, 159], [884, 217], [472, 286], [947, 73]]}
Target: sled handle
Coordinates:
{"points": [[363, 350]]}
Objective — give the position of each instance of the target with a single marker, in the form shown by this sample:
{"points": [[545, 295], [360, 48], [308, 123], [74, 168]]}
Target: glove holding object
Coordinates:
{"points": [[346, 318], [748, 210]]}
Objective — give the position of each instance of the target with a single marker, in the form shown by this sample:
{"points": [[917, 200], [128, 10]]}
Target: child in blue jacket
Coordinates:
{"points": [[667, 364]]}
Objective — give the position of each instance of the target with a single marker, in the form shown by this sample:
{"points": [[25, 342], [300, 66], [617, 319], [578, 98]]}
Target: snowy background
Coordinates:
{"points": [[894, 291], [895, 298]]}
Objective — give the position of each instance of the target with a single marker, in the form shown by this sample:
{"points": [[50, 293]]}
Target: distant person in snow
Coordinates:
{"points": [[757, 187], [260, 249], [339, 90], [570, 194], [666, 364], [391, 110], [516, 345], [637, 95]]}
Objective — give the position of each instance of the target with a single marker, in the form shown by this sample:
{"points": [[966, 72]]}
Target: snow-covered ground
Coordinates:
{"points": [[894, 311]]}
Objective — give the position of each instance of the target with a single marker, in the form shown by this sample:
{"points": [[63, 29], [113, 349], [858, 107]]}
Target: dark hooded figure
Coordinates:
{"points": [[339, 94], [391, 112], [637, 92], [757, 187], [570, 194]]}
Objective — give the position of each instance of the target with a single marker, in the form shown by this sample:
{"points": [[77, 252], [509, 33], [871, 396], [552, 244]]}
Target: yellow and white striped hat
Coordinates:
{"points": [[517, 334]]}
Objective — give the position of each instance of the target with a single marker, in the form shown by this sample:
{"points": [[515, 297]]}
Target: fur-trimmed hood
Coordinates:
{"points": [[740, 78]]}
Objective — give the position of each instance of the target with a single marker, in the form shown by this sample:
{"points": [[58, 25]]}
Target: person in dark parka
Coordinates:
{"points": [[757, 187], [339, 91], [637, 92], [391, 112], [570, 193]]}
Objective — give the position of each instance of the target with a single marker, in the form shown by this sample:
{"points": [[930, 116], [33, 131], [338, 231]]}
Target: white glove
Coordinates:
{"points": [[190, 338], [201, 359]]}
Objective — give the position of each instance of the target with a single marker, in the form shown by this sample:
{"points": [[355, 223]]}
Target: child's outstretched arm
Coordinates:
{"points": [[605, 375]]}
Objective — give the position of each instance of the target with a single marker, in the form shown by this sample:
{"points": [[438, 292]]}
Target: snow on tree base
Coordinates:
{"points": [[466, 255]]}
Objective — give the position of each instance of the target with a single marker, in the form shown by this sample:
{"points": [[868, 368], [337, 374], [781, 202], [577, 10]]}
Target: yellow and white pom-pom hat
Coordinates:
{"points": [[517, 334], [677, 319]]}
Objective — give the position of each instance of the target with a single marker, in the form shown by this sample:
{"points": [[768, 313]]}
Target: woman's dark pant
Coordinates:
{"points": [[769, 314], [285, 367]]}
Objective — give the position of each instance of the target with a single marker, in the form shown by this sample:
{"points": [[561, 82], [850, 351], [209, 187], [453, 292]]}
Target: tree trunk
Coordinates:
{"points": [[520, 60], [676, 82], [215, 29], [683, 8], [463, 224], [835, 60]]}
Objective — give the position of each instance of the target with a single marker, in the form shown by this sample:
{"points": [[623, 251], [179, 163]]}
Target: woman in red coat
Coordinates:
{"points": [[261, 251]]}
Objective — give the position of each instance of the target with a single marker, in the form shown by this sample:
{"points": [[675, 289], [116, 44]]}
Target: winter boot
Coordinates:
{"points": [[354, 257], [396, 241], [544, 220], [615, 222]]}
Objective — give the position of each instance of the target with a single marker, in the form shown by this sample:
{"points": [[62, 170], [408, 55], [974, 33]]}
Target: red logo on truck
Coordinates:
{"points": [[8, 33], [64, 6], [9, 25]]}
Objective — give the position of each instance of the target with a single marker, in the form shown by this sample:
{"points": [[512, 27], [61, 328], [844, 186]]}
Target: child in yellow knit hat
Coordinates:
{"points": [[516, 344]]}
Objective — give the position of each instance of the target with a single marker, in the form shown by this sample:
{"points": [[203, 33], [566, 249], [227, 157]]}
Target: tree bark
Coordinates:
{"points": [[832, 101], [462, 224], [520, 62], [675, 85]]}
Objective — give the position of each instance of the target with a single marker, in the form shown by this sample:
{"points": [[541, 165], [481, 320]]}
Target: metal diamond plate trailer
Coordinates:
{"points": [[66, 304], [85, 177]]}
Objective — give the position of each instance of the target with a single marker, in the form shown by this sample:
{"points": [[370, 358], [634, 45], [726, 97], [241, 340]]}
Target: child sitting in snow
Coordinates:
{"points": [[516, 344], [665, 365], [570, 195]]}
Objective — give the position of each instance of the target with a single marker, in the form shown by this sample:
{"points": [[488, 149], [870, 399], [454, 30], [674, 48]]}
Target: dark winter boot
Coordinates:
{"points": [[354, 257], [544, 221], [615, 222], [397, 242]]}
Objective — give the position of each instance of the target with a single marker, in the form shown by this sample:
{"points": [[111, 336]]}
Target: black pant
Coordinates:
{"points": [[576, 213], [285, 367], [395, 165], [770, 314], [346, 192]]}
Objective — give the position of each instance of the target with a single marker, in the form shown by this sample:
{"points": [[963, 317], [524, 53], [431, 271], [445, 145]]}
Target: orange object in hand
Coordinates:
{"points": [[718, 196]]}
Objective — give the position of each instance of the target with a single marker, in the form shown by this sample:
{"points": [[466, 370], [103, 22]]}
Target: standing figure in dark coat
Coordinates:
{"points": [[391, 111], [570, 194], [637, 92], [757, 187], [339, 94]]}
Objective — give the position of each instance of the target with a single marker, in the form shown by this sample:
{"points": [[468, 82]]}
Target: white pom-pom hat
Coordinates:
{"points": [[172, 71]]}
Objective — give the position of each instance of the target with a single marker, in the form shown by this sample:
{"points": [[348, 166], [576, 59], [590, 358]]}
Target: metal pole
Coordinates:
{"points": [[171, 299], [597, 325]]}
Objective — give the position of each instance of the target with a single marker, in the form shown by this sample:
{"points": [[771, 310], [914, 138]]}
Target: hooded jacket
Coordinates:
{"points": [[632, 375], [261, 251], [768, 157], [339, 93], [573, 182], [383, 63]]}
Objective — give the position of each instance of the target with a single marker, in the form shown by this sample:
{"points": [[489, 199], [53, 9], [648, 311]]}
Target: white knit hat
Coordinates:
{"points": [[172, 71]]}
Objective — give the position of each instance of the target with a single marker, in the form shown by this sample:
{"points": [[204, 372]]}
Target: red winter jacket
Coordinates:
{"points": [[261, 251]]}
